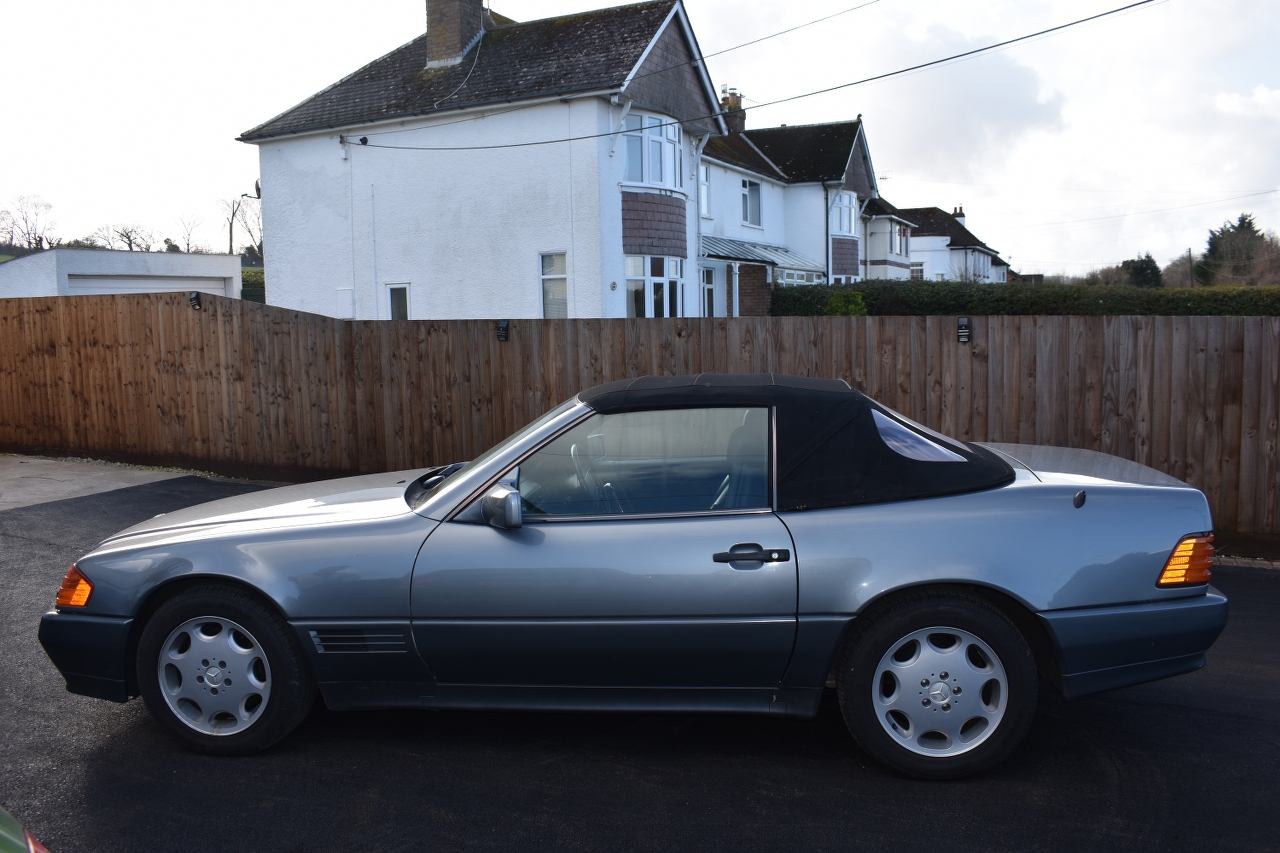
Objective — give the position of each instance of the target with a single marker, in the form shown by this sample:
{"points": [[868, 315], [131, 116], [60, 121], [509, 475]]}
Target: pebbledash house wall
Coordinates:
{"points": [[463, 229]]}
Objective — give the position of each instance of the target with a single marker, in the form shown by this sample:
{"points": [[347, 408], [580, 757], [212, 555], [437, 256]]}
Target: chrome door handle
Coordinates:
{"points": [[764, 555]]}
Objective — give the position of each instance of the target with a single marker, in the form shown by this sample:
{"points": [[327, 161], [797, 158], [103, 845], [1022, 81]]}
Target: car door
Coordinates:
{"points": [[648, 556]]}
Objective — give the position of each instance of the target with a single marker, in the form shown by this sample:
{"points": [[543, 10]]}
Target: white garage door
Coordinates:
{"points": [[80, 285]]}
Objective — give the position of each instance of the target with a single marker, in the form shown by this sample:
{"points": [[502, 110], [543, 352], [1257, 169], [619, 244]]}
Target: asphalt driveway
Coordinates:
{"points": [[1191, 763]]}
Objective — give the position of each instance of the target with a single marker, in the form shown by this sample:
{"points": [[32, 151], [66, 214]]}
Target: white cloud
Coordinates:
{"points": [[1264, 103]]}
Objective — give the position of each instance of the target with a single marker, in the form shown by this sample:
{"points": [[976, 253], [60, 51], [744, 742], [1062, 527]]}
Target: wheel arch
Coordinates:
{"points": [[158, 595], [1022, 617]]}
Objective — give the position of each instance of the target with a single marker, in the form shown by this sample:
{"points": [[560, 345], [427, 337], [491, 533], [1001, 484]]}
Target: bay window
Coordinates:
{"points": [[842, 214], [655, 152], [655, 286]]}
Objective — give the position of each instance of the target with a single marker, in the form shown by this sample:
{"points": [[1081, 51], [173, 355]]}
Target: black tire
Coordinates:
{"points": [[292, 688], [885, 628]]}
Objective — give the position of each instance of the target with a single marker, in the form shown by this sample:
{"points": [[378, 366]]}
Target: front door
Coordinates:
{"points": [[626, 570]]}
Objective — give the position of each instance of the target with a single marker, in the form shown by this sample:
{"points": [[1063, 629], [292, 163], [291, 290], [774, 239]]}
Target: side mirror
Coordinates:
{"points": [[501, 507]]}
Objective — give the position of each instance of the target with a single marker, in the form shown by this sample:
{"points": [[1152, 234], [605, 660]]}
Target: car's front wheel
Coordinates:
{"points": [[220, 670], [937, 683]]}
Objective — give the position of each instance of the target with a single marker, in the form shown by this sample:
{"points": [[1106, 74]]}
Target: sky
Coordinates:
{"points": [[1136, 133]]}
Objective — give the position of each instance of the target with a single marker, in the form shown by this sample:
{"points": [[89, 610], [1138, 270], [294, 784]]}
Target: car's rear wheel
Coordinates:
{"points": [[937, 683], [221, 671]]}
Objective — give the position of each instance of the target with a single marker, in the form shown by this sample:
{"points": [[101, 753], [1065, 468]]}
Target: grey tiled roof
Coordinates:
{"points": [[810, 152], [936, 222], [554, 56], [734, 149]]}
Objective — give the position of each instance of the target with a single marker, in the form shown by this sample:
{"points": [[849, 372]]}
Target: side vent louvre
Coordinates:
{"points": [[359, 640]]}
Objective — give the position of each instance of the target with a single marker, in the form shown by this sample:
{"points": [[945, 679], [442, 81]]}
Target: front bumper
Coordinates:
{"points": [[91, 652], [1102, 648]]}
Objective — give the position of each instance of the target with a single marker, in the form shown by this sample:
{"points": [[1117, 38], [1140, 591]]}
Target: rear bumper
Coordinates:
{"points": [[1102, 648], [90, 652]]}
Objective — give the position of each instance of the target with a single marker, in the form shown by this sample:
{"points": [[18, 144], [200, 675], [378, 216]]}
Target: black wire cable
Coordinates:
{"points": [[885, 76]]}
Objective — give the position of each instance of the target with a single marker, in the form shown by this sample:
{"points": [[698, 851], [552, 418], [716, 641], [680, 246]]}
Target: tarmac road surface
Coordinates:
{"points": [[1191, 763]]}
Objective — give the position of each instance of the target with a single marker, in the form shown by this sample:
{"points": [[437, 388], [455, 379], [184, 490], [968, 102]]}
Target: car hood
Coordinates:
{"points": [[351, 499], [1042, 459]]}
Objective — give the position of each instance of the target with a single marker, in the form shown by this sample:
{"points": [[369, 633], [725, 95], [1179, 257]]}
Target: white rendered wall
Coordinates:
{"points": [[726, 207], [464, 229], [33, 275], [56, 272], [934, 254]]}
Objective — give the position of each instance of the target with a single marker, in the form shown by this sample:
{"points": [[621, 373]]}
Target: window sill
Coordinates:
{"points": [[655, 190], [749, 225]]}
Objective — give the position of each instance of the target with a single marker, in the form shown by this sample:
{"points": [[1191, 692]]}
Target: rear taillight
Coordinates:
{"points": [[75, 589], [1190, 562]]}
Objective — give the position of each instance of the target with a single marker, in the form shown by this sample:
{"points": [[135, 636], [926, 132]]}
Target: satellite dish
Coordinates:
{"points": [[257, 188]]}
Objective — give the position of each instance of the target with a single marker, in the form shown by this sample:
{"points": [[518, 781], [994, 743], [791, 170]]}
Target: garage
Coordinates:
{"points": [[94, 272]]}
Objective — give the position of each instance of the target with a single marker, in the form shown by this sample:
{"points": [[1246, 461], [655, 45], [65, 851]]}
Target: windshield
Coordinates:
{"points": [[421, 489]]}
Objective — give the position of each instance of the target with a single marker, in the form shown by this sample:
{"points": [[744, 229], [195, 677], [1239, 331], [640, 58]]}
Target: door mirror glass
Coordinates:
{"points": [[673, 460]]}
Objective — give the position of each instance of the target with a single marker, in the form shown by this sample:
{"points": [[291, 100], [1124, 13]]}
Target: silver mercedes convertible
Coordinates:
{"points": [[727, 544]]}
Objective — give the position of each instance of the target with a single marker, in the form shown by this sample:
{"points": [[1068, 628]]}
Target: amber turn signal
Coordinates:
{"points": [[1190, 562], [75, 589]]}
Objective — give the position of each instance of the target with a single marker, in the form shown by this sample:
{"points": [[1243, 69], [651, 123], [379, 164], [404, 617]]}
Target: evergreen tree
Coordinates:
{"points": [[1143, 272]]}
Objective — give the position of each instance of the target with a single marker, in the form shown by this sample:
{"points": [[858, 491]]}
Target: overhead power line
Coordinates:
{"points": [[947, 59]]}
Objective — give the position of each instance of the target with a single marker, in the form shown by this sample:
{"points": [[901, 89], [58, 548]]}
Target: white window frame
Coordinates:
{"points": [[704, 190], [660, 143], [544, 278], [708, 276], [670, 282], [842, 212], [389, 286], [917, 270], [747, 186]]}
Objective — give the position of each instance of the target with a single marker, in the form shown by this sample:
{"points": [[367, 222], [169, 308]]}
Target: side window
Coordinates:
{"points": [[910, 443], [639, 463]]}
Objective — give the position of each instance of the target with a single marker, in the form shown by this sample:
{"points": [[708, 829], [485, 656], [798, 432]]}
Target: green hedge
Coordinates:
{"points": [[924, 298], [253, 286]]}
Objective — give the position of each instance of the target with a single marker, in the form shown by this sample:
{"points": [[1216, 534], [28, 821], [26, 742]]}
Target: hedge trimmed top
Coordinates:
{"points": [[933, 298]]}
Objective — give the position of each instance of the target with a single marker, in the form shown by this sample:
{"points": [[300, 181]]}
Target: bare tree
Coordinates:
{"points": [[231, 215], [130, 237], [250, 218], [187, 225], [30, 227], [6, 228]]}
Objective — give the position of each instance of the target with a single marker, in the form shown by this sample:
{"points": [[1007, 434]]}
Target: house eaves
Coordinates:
{"points": [[699, 64]]}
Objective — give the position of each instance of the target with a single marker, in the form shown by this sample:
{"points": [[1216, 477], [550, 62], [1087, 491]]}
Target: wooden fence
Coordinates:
{"points": [[240, 387]]}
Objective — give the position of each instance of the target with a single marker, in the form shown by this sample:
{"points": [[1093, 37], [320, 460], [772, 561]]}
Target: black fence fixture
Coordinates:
{"points": [[194, 299], [504, 329], [964, 329]]}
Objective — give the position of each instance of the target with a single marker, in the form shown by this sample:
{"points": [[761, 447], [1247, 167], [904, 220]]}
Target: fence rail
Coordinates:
{"points": [[240, 386]]}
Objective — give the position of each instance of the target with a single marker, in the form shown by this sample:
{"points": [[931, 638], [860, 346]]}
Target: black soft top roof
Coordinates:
{"points": [[830, 451]]}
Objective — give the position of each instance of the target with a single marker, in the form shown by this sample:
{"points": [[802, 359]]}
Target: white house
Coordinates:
{"points": [[72, 272], [496, 169], [577, 166], [943, 249]]}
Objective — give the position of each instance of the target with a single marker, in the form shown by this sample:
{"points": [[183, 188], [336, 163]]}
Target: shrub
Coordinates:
{"points": [[846, 303], [252, 277], [916, 298]]}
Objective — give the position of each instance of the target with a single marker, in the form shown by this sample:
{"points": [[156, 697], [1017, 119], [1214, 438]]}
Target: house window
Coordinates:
{"points": [[704, 190], [750, 202], [708, 292], [842, 214], [398, 301], [655, 286], [655, 155], [917, 270], [555, 287]]}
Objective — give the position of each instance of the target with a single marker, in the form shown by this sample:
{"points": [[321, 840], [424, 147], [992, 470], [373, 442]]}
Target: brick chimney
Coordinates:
{"points": [[958, 213], [731, 108], [453, 28]]}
